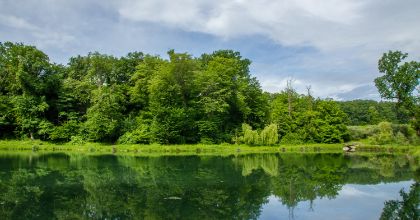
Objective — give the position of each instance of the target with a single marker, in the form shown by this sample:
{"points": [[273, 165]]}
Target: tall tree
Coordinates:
{"points": [[28, 81], [105, 115], [171, 99], [399, 81]]}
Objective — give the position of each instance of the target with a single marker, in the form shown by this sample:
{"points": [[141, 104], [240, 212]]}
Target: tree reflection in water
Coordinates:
{"points": [[408, 208], [74, 186]]}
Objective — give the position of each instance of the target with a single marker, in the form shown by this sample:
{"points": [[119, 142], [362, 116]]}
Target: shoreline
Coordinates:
{"points": [[194, 149]]}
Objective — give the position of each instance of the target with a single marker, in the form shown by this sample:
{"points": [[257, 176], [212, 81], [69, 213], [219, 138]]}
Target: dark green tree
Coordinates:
{"points": [[28, 82]]}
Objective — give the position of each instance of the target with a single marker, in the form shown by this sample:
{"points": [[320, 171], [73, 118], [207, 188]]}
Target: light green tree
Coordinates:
{"points": [[269, 135]]}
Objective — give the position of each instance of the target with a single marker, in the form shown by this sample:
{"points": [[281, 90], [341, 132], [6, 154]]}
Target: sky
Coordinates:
{"points": [[333, 46], [353, 201]]}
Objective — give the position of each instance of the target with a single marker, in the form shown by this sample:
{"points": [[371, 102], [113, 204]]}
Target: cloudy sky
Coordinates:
{"points": [[331, 45]]}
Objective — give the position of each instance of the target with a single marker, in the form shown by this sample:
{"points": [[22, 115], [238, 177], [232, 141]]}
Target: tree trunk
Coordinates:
{"points": [[289, 96]]}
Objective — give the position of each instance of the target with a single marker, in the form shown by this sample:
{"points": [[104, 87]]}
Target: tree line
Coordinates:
{"points": [[141, 98]]}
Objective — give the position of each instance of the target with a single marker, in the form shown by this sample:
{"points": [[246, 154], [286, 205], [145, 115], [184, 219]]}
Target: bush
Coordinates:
{"points": [[45, 128], [385, 135], [206, 140], [362, 132], [77, 140], [401, 139], [291, 138], [269, 136], [66, 131], [141, 135], [250, 136]]}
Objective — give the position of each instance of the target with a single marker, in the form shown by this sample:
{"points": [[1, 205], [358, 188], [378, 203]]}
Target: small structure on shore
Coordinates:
{"points": [[350, 148]]}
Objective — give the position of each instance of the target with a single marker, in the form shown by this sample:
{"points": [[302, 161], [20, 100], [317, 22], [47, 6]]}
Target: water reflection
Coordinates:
{"points": [[406, 208], [75, 186]]}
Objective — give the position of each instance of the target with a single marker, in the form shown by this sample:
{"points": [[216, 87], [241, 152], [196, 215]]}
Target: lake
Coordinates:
{"points": [[254, 186]]}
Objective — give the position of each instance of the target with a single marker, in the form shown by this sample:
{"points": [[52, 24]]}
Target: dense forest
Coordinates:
{"points": [[140, 98], [370, 112]]}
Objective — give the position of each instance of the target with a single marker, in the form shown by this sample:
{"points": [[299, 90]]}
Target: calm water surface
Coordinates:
{"points": [[260, 186]]}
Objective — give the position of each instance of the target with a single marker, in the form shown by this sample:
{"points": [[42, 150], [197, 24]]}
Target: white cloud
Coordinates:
{"points": [[16, 22], [345, 37], [318, 88], [43, 36], [351, 191], [327, 24], [349, 35]]}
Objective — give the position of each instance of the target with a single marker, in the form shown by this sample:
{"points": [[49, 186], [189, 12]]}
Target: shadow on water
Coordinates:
{"points": [[76, 186]]}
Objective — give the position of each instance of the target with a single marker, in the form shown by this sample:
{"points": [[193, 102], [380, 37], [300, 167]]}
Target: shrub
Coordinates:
{"points": [[206, 140], [77, 140], [269, 135], [385, 135], [141, 135], [362, 132], [250, 136], [291, 138], [401, 139], [66, 131], [45, 128]]}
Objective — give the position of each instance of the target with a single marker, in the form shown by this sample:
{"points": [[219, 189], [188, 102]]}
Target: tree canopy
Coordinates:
{"points": [[140, 98]]}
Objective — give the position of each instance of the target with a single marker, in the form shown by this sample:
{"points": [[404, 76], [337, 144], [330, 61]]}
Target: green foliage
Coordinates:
{"points": [[65, 131], [400, 82], [6, 116], [28, 112], [362, 132], [269, 135], [23, 69], [139, 98], [369, 112], [318, 121], [76, 140], [140, 81], [401, 139], [44, 129], [27, 88], [105, 116], [291, 138], [385, 133], [141, 135], [250, 136]]}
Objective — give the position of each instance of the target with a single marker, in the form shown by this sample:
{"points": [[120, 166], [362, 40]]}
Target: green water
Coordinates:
{"points": [[260, 186]]}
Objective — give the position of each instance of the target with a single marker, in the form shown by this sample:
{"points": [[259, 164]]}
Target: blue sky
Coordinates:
{"points": [[331, 45]]}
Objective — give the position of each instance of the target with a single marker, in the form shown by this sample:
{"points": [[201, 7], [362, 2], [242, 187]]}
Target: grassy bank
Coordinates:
{"points": [[197, 149]]}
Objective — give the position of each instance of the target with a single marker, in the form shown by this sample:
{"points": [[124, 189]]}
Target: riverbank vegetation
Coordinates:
{"points": [[210, 99], [37, 146]]}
